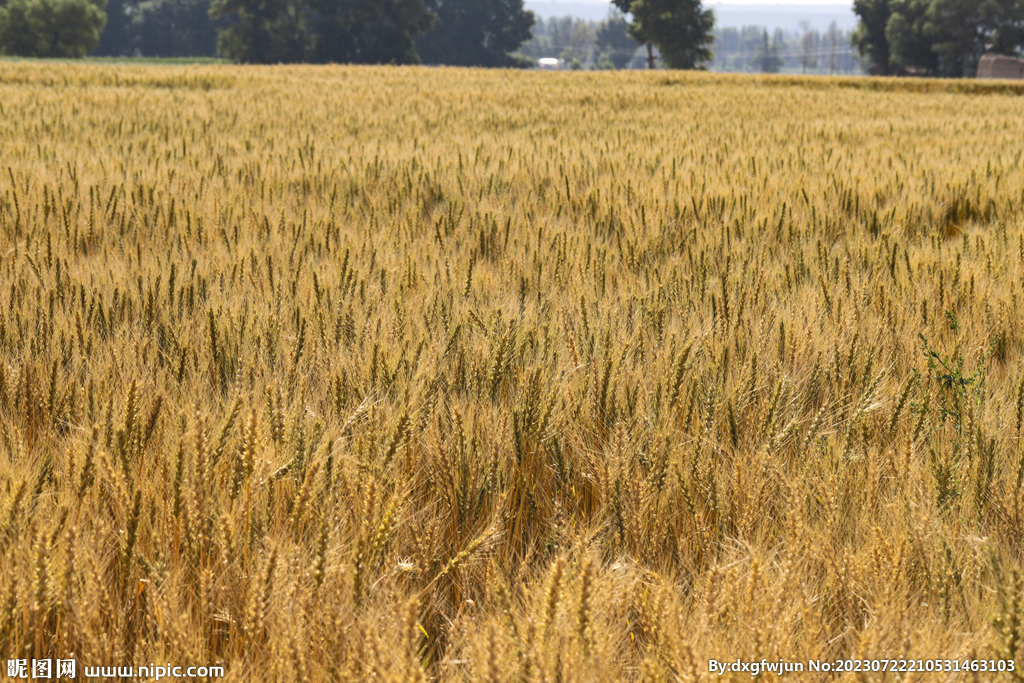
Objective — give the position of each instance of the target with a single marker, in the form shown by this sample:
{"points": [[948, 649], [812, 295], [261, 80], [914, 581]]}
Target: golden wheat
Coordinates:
{"points": [[328, 373]]}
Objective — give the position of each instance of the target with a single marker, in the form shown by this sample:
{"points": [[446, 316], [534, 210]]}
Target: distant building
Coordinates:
{"points": [[1000, 66], [550, 64]]}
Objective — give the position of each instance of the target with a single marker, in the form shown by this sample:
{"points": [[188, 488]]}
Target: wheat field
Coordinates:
{"points": [[408, 374]]}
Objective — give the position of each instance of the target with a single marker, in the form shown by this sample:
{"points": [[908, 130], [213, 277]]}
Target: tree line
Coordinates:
{"points": [[893, 37], [753, 49], [583, 44], [936, 37], [457, 32], [606, 44], [486, 33]]}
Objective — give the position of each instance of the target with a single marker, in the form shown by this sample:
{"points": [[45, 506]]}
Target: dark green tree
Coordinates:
{"points": [[937, 37], [262, 32], [948, 37], [174, 28], [613, 41], [959, 35], [50, 28], [1004, 20], [367, 31], [963, 30], [475, 33], [336, 28], [681, 30], [910, 34], [870, 36], [116, 37]]}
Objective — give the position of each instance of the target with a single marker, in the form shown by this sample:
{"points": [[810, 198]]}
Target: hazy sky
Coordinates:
{"points": [[741, 3], [787, 15], [787, 2]]}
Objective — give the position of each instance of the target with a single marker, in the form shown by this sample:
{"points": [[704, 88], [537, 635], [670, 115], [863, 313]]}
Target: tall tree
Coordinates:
{"points": [[809, 42], [767, 59], [948, 37], [681, 30], [475, 32], [940, 37], [174, 28], [613, 41], [263, 32], [909, 35], [367, 31], [832, 36], [116, 36], [50, 28], [869, 38], [336, 30], [966, 29], [579, 43], [1004, 20], [727, 42], [960, 35]]}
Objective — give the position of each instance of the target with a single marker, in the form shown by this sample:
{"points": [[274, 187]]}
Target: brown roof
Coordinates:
{"points": [[1000, 66]]}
